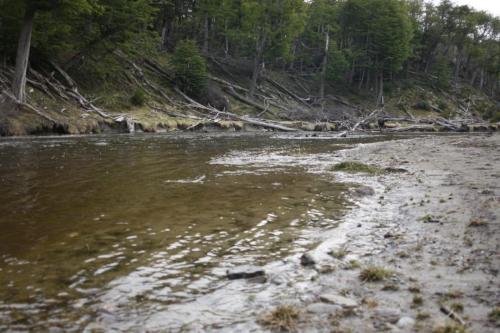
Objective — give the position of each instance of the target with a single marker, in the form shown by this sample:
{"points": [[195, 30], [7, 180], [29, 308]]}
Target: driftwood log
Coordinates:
{"points": [[257, 122]]}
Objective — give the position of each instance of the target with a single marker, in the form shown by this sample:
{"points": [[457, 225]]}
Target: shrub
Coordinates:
{"points": [[138, 98], [423, 105], [189, 67], [442, 73]]}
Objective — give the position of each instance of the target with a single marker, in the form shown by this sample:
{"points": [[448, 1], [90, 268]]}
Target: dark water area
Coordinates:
{"points": [[111, 232]]}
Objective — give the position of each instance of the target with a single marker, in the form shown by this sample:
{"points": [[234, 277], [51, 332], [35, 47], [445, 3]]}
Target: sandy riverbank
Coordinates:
{"points": [[435, 229]]}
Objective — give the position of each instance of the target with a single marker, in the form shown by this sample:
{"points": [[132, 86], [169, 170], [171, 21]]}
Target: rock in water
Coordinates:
{"points": [[244, 272], [307, 260], [364, 191], [339, 300]]}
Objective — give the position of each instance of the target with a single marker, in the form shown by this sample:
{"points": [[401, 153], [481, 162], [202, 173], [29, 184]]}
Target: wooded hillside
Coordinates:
{"points": [[319, 60]]}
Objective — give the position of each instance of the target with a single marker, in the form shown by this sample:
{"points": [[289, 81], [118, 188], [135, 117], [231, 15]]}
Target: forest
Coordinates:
{"points": [[368, 47]]}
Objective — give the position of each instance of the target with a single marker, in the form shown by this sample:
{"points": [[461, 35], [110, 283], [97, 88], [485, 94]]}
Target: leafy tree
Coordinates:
{"points": [[270, 26], [30, 9], [442, 73], [190, 67], [380, 31]]}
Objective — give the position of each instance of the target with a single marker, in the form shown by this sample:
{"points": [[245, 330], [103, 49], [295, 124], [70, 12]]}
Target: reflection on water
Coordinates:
{"points": [[113, 229]]}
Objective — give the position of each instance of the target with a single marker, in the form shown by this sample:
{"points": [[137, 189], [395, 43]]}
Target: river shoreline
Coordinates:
{"points": [[434, 230]]}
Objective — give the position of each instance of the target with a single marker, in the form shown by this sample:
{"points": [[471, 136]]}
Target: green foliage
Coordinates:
{"points": [[269, 26], [442, 73], [381, 31], [138, 98], [190, 68], [337, 64], [368, 38], [423, 105]]}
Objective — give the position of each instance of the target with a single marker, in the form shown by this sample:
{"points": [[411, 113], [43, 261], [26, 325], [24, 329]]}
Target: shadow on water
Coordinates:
{"points": [[127, 226]]}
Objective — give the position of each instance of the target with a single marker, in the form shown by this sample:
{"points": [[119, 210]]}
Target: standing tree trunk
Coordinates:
{"points": [[323, 66], [226, 40], [23, 54], [205, 33], [380, 98], [257, 64]]}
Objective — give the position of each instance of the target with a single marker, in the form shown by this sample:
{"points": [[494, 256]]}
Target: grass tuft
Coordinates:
{"points": [[354, 167], [457, 307], [375, 274], [477, 223], [339, 254], [449, 328], [283, 318], [417, 301], [423, 315], [494, 315]]}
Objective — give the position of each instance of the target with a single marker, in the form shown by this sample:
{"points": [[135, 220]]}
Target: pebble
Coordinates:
{"points": [[388, 315], [323, 308], [406, 322], [339, 300]]}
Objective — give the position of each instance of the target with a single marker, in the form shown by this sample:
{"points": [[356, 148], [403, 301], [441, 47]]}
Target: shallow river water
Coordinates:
{"points": [[135, 233]]}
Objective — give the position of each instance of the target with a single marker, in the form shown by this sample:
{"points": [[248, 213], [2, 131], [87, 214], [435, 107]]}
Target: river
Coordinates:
{"points": [[136, 232]]}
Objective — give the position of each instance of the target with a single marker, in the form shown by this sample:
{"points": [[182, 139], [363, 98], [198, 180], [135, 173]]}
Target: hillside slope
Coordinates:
{"points": [[141, 96]]}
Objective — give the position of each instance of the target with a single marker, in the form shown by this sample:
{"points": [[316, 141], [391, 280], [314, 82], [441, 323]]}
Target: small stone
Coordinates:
{"points": [[307, 260], [339, 300], [325, 269], [322, 308], [245, 272], [406, 322], [279, 279], [388, 315], [364, 191]]}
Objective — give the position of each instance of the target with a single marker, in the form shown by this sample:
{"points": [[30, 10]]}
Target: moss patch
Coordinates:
{"points": [[355, 167], [449, 328], [358, 167]]}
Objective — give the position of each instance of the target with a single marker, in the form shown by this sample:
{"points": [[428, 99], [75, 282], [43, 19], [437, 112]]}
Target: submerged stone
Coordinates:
{"points": [[244, 272], [307, 260]]}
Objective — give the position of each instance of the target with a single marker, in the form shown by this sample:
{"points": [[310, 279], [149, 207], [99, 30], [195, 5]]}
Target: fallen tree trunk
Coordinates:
{"points": [[287, 91], [361, 121], [257, 122], [245, 100]]}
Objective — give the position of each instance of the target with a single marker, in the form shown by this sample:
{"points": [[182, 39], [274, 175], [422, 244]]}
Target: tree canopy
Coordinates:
{"points": [[360, 42]]}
